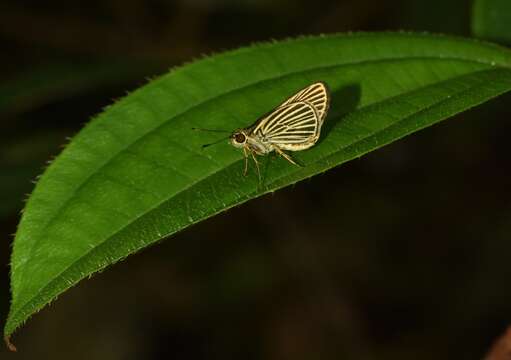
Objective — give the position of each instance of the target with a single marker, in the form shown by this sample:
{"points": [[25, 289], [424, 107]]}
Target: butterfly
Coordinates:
{"points": [[294, 125]]}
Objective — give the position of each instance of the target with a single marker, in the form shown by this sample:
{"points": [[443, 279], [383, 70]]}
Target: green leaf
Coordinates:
{"points": [[491, 20], [137, 174]]}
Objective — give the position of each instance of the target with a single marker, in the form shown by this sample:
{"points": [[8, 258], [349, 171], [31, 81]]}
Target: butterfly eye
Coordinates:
{"points": [[239, 138]]}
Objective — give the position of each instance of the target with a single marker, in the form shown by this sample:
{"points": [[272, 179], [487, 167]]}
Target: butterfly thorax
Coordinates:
{"points": [[259, 144]]}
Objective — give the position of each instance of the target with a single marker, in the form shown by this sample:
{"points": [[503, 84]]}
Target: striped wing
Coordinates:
{"points": [[317, 95], [293, 126]]}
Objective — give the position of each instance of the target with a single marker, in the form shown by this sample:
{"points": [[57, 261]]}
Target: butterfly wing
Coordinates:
{"points": [[294, 126], [317, 94]]}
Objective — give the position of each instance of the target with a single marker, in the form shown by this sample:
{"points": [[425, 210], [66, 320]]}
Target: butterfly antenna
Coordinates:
{"points": [[216, 142], [211, 130]]}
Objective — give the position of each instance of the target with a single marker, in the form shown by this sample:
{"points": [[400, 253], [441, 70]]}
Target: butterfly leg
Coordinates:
{"points": [[257, 165], [246, 161], [286, 156]]}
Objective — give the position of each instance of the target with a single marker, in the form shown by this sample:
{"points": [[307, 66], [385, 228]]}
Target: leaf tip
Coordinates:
{"points": [[9, 344]]}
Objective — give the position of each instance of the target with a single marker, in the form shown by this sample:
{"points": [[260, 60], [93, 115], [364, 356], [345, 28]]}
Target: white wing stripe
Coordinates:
{"points": [[287, 116]]}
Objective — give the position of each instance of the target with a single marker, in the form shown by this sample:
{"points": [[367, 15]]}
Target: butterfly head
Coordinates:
{"points": [[239, 138]]}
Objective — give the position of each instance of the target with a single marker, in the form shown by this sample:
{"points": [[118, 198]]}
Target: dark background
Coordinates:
{"points": [[402, 254]]}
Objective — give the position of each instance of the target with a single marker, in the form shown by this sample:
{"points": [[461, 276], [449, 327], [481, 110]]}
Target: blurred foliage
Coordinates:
{"points": [[56, 82], [491, 20], [415, 266]]}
